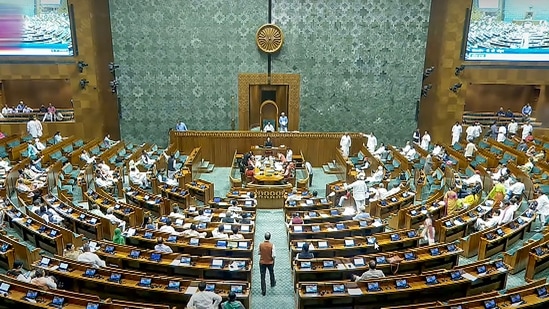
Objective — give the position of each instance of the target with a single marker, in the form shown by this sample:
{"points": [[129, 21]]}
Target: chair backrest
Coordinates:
{"points": [[79, 143], [95, 150]]}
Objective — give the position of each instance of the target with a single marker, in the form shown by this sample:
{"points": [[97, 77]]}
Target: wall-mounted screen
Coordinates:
{"points": [[35, 28], [508, 30]]}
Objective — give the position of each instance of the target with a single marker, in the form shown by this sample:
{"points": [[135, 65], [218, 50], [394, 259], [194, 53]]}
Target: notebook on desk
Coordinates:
{"points": [[216, 263]]}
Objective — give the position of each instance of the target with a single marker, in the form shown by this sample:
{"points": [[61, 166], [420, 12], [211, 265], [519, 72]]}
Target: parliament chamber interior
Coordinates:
{"points": [[278, 153]]}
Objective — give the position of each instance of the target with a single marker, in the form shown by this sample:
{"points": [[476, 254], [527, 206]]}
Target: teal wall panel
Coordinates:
{"points": [[360, 62]]}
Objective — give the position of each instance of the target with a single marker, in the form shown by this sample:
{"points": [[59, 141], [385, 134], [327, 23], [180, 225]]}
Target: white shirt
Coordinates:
{"points": [[410, 155], [517, 188], [138, 177], [345, 141], [477, 130], [167, 229], [113, 218], [309, 168], [163, 248], [236, 237], [470, 132], [425, 140], [40, 146], [436, 151], [406, 149], [470, 149], [34, 127], [456, 130], [204, 300], [473, 179], [372, 143], [501, 134], [360, 189], [512, 127], [91, 258], [543, 205], [526, 130], [289, 155], [268, 128], [217, 234], [506, 215]]}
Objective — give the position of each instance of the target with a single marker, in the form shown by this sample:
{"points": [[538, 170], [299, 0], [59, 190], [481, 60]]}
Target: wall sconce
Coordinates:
{"points": [[455, 88], [459, 70], [113, 67], [83, 83], [425, 90], [81, 65], [428, 72], [114, 85]]}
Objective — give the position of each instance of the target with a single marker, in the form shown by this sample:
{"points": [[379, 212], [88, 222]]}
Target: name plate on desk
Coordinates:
{"points": [[354, 291]]}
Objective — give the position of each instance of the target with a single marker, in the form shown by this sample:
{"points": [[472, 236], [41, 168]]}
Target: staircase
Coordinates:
{"points": [[205, 167]]}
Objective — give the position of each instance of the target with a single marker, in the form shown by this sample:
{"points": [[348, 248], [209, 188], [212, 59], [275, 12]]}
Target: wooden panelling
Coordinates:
{"points": [[95, 108], [484, 98], [38, 92], [442, 108], [218, 147]]}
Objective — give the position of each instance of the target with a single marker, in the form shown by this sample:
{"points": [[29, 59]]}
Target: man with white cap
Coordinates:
{"points": [[114, 220], [39, 145], [377, 176], [360, 191]]}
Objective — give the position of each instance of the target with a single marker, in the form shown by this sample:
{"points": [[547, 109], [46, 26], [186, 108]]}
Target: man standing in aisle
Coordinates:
{"points": [[266, 262], [372, 142], [283, 123], [34, 128], [345, 144], [360, 191]]}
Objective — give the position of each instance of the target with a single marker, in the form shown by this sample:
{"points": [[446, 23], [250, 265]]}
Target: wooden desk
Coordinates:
{"points": [[176, 194], [199, 267], [18, 290], [388, 295], [305, 206], [77, 220], [207, 246], [538, 260], [331, 247], [392, 204], [512, 232], [321, 269], [268, 176], [123, 211], [38, 234], [315, 215], [338, 230], [74, 279], [156, 204], [201, 190]]}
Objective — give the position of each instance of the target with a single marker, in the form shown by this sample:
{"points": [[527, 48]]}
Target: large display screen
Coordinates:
{"points": [[35, 28], [510, 30]]}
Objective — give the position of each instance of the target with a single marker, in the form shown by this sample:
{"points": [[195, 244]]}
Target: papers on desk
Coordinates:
{"points": [[457, 222], [175, 262], [341, 266], [469, 277], [502, 269], [377, 223], [424, 211], [222, 215], [130, 232], [349, 266], [354, 291], [186, 225], [324, 216], [191, 290], [223, 203]]}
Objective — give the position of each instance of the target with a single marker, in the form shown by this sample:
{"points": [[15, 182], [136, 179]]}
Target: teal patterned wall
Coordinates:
{"points": [[360, 62]]}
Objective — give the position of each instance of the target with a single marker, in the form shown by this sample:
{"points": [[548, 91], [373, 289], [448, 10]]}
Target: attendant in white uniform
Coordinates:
{"points": [[456, 133], [425, 140], [512, 128], [360, 191], [372, 142], [502, 132], [345, 144]]}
